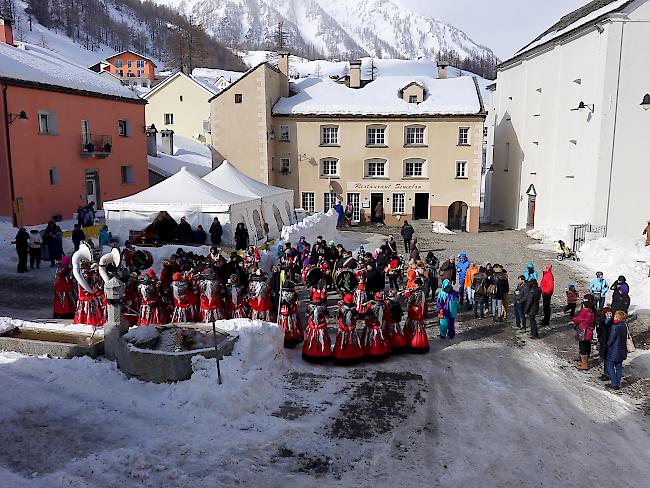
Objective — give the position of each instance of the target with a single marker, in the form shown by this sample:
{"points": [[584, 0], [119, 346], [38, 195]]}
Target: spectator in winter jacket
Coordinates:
{"points": [[199, 236], [621, 295], [241, 237], [467, 284], [35, 243], [617, 349], [104, 238], [500, 282], [448, 270], [78, 235], [53, 238], [341, 214], [572, 296], [585, 323], [530, 272], [22, 248], [184, 231], [461, 268], [603, 329], [407, 234], [392, 244], [432, 263], [479, 287], [415, 250], [599, 287], [216, 231], [531, 308], [646, 233], [547, 285], [521, 294]]}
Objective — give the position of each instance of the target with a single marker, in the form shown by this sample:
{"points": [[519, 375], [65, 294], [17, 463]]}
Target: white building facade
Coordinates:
{"points": [[571, 124]]}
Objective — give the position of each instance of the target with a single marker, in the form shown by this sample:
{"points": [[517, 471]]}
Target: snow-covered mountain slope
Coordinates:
{"points": [[341, 28]]}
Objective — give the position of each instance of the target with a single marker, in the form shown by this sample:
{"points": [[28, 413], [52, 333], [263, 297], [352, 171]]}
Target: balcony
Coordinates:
{"points": [[99, 146]]}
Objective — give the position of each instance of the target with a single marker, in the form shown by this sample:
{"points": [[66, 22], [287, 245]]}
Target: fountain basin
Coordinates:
{"points": [[53, 343]]}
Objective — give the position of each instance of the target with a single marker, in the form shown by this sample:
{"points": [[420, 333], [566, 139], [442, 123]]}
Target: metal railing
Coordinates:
{"points": [[580, 234], [96, 144]]}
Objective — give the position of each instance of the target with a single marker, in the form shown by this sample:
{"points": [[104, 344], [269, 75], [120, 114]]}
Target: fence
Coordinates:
{"points": [[580, 234]]}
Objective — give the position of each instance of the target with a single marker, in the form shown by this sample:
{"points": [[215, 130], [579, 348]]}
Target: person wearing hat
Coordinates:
{"points": [[393, 322], [572, 296], [585, 323], [621, 295], [211, 306], [317, 346], [235, 303], [288, 317], [372, 337], [599, 288], [259, 296], [182, 291], [151, 306], [64, 302], [547, 285], [414, 330], [22, 249], [348, 347], [90, 303]]}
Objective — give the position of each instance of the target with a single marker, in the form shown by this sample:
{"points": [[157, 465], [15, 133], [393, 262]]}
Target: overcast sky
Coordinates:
{"points": [[505, 26]]}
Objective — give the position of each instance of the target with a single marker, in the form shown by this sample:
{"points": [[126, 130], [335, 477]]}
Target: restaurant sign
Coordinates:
{"points": [[388, 186]]}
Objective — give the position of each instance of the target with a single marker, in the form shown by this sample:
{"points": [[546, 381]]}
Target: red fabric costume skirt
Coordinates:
{"points": [[317, 346]]}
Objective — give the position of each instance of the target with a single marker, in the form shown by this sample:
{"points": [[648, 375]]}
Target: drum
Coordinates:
{"points": [[142, 259], [311, 275], [346, 280]]}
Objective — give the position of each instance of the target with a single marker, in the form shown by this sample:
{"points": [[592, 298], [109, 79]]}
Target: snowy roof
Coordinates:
{"points": [[182, 190], [188, 153], [132, 52], [213, 74], [179, 74], [589, 13], [227, 176], [33, 65], [315, 96]]}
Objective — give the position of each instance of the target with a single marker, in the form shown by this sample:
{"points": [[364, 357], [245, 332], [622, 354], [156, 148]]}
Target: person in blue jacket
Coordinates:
{"points": [[461, 269], [598, 287], [530, 273], [617, 350], [104, 238]]}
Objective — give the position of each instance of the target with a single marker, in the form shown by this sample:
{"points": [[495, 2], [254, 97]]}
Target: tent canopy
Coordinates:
{"points": [[227, 176]]}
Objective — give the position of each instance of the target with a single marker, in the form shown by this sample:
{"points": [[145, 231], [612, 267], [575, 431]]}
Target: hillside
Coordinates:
{"points": [[89, 30], [342, 29]]}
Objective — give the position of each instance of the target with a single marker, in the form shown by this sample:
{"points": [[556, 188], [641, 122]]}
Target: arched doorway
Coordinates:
{"points": [[457, 216]]}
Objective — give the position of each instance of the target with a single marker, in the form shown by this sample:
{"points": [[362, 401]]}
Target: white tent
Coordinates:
{"points": [[277, 203], [184, 195]]}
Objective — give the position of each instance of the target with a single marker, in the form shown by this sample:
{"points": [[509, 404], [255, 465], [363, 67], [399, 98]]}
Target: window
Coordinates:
{"points": [[353, 199], [284, 133], [375, 168], [329, 200], [127, 175], [329, 136], [139, 64], [118, 63], [415, 135], [463, 136], [376, 136], [140, 73], [128, 64], [44, 123], [239, 98], [285, 165], [180, 98], [399, 203], [85, 132], [54, 176], [308, 201], [329, 167], [120, 72], [123, 128], [414, 168], [461, 169], [413, 99], [169, 119], [485, 131]]}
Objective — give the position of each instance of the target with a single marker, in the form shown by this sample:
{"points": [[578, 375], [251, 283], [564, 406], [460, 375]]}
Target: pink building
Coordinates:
{"points": [[68, 136]]}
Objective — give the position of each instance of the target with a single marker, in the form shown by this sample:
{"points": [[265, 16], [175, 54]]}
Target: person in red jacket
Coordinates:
{"points": [[547, 286], [585, 323]]}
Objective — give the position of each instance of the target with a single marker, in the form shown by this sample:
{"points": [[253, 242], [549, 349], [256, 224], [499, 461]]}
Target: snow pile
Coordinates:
{"points": [[212, 74], [547, 235], [188, 153], [621, 256], [438, 227], [318, 224], [7, 323]]}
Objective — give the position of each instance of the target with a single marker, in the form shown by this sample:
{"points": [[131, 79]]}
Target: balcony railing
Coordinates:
{"points": [[93, 146]]}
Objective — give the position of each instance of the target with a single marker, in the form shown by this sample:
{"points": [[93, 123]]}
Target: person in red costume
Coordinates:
{"points": [[90, 304], [348, 347], [259, 296], [151, 309], [318, 292], [130, 311], [288, 318], [64, 304], [234, 298], [184, 299], [317, 347], [373, 338], [547, 286], [392, 321], [360, 296], [414, 331], [210, 297]]}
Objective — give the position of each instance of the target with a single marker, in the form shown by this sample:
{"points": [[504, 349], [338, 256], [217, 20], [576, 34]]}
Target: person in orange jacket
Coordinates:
{"points": [[547, 286], [469, 279]]}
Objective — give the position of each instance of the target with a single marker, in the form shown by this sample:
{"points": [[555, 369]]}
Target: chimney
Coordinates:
{"points": [[152, 146], [6, 31], [167, 138], [355, 74], [442, 70], [186, 69], [283, 66]]}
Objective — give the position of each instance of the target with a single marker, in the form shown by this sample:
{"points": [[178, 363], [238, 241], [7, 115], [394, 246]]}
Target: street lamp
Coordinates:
{"points": [[13, 117]]}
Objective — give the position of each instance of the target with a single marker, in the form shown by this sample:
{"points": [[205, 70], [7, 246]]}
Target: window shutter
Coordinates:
{"points": [[128, 128], [53, 125]]}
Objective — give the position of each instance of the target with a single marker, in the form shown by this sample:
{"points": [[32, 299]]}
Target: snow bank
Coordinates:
{"points": [[195, 156], [621, 256], [438, 227], [547, 235], [318, 224], [7, 323]]}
